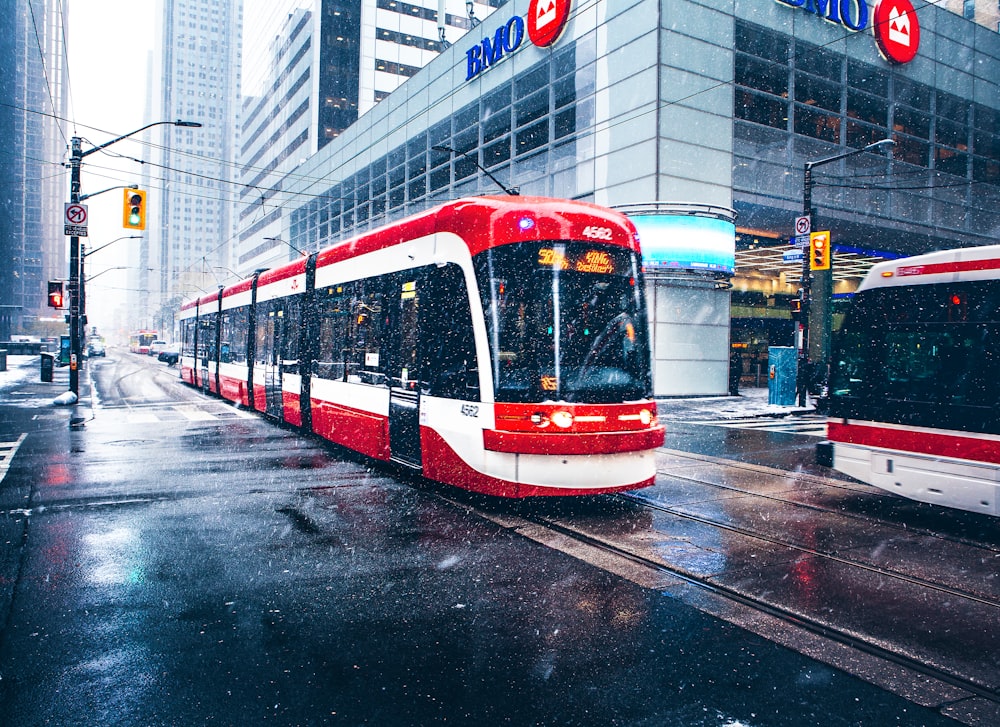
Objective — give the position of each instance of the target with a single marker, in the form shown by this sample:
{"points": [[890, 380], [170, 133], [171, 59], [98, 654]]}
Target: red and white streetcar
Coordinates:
{"points": [[915, 380], [498, 344]]}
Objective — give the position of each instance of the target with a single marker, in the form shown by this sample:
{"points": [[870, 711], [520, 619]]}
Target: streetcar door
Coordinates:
{"points": [[274, 339], [404, 374]]}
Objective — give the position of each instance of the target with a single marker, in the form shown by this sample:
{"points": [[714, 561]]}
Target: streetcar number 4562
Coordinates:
{"points": [[597, 233]]}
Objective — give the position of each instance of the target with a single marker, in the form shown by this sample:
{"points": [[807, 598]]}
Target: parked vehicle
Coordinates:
{"points": [[95, 348], [157, 347], [170, 354]]}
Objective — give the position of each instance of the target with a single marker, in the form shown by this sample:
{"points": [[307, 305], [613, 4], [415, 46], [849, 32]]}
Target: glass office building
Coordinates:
{"points": [[713, 107]]}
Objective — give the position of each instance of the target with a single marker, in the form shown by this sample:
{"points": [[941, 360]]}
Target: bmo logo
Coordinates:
{"points": [[546, 20], [544, 23], [894, 22], [897, 31]]}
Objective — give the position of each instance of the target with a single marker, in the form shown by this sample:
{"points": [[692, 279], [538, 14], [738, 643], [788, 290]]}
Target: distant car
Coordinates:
{"points": [[170, 355], [157, 347], [95, 348]]}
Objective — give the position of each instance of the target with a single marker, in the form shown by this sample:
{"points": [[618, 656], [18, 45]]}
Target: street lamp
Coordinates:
{"points": [[284, 242], [822, 308], [513, 191], [77, 154]]}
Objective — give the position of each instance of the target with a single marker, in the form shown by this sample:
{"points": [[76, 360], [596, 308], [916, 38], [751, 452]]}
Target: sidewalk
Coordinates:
{"points": [[751, 402], [22, 384]]}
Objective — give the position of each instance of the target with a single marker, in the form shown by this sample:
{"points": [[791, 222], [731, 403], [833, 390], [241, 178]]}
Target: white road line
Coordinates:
{"points": [[7, 452]]}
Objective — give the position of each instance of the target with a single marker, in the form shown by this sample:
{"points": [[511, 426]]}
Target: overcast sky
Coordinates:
{"points": [[108, 45]]}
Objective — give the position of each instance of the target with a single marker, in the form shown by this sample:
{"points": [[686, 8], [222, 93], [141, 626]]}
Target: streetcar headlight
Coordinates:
{"points": [[539, 419], [562, 419]]}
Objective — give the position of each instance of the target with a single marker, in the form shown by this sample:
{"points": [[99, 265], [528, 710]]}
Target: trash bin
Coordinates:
{"points": [[48, 361], [782, 364]]}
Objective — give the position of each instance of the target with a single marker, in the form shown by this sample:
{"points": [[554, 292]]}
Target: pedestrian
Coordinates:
{"points": [[735, 371]]}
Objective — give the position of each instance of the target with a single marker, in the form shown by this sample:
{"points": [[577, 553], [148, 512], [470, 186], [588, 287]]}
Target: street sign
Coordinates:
{"points": [[792, 256], [800, 241], [75, 219], [803, 225]]}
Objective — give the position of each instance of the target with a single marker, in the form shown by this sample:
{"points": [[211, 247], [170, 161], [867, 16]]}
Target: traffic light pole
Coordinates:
{"points": [[75, 303], [75, 283], [823, 303]]}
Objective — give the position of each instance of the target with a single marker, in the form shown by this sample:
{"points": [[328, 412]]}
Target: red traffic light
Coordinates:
{"points": [[55, 294]]}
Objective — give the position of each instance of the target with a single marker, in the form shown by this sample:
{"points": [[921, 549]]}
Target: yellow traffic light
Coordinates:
{"points": [[819, 250], [134, 209]]}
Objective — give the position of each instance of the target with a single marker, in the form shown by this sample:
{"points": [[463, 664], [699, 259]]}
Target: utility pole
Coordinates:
{"points": [[823, 304]]}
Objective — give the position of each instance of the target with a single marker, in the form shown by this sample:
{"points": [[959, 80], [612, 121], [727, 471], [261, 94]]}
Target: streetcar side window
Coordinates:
{"points": [[333, 308], [350, 332], [446, 331], [234, 334], [206, 337], [187, 336]]}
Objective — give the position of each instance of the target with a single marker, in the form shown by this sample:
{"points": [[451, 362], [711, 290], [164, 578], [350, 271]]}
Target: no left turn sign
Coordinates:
{"points": [[75, 219], [803, 225], [76, 214]]}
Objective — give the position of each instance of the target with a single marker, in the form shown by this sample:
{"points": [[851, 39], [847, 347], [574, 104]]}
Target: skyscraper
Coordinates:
{"points": [[33, 187], [313, 67], [196, 77]]}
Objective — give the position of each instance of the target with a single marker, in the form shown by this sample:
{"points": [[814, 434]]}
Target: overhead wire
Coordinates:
{"points": [[281, 196]]}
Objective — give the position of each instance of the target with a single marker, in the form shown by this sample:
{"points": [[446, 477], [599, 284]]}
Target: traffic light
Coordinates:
{"points": [[55, 294], [134, 209], [795, 306], [819, 250]]}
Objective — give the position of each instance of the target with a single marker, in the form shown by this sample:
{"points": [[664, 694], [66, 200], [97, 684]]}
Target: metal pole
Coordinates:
{"points": [[75, 287], [802, 375], [801, 378]]}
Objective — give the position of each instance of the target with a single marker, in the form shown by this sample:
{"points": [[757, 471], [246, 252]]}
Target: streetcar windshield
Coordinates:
{"points": [[923, 355], [566, 322]]}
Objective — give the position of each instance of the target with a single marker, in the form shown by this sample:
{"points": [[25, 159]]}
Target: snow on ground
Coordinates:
{"points": [[19, 369]]}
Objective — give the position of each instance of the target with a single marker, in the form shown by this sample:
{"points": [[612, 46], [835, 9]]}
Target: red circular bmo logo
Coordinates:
{"points": [[547, 18], [897, 30]]}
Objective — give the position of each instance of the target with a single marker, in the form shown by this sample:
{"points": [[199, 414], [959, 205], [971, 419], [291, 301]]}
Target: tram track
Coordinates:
{"points": [[793, 618], [814, 552], [939, 680], [810, 480]]}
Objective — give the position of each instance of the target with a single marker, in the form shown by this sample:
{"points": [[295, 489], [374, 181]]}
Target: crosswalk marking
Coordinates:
{"points": [[7, 452], [810, 425], [188, 413]]}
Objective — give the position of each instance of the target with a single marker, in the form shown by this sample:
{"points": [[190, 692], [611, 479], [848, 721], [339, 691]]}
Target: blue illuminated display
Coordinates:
{"points": [[686, 242]]}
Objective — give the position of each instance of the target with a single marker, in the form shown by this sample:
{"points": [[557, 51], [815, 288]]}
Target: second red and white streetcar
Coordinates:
{"points": [[915, 380]]}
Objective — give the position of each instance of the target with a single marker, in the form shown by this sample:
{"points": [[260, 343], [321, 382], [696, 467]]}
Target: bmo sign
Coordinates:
{"points": [[894, 22], [543, 25]]}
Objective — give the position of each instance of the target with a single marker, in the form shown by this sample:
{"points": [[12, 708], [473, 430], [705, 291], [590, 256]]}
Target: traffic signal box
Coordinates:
{"points": [[55, 294], [819, 250], [134, 209], [795, 308]]}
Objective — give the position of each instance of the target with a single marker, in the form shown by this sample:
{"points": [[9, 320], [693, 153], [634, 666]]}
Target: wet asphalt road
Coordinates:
{"points": [[181, 563]]}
